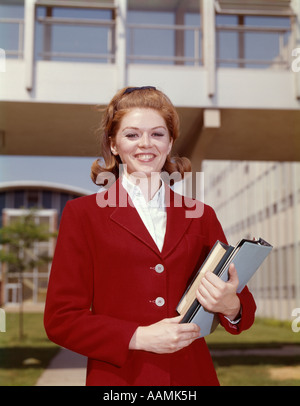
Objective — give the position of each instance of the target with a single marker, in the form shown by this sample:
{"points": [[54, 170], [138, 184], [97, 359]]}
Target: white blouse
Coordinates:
{"points": [[153, 213]]}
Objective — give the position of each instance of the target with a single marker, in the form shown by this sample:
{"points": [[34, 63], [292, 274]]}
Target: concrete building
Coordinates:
{"points": [[262, 199], [40, 195], [231, 67], [49, 200], [226, 65]]}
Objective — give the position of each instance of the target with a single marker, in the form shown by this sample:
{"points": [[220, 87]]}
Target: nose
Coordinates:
{"points": [[145, 140]]}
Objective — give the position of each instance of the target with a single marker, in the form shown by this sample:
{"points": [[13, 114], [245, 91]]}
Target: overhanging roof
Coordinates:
{"points": [[58, 187]]}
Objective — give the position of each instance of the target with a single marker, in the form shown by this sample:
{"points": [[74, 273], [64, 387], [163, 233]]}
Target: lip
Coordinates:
{"points": [[145, 157]]}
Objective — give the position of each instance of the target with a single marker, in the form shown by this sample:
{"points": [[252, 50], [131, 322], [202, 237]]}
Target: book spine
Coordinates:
{"points": [[200, 269], [195, 306], [223, 260], [191, 311]]}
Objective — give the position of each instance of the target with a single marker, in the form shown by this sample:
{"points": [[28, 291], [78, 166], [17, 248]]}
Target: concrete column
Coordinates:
{"points": [[296, 50], [29, 18], [296, 221], [179, 34], [121, 43], [209, 44], [196, 181]]}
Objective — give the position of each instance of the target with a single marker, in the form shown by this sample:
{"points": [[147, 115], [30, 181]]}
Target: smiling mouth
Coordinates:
{"points": [[145, 157]]}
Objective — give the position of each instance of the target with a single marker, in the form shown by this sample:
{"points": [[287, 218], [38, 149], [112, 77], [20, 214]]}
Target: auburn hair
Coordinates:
{"points": [[119, 106]]}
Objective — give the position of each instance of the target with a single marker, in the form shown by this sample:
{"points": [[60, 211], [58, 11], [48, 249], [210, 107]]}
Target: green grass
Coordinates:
{"points": [[258, 375], [263, 333], [13, 351], [232, 370], [240, 370]]}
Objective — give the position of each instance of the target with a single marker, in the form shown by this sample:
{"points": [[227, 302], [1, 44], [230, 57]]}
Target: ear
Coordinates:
{"points": [[113, 147]]}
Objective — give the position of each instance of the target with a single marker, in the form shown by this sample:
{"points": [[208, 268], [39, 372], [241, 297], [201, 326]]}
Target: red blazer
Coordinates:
{"points": [[104, 283]]}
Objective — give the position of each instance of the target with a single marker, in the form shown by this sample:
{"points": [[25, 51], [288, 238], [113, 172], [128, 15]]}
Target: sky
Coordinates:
{"points": [[64, 170]]}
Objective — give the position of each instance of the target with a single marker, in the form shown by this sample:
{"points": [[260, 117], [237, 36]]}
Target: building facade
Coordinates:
{"points": [[232, 70], [229, 66], [48, 199], [262, 199]]}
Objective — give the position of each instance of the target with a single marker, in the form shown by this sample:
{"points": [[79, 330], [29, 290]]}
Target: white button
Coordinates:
{"points": [[159, 268], [159, 301]]}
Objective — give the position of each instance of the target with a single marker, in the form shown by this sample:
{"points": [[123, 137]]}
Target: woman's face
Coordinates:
{"points": [[142, 141]]}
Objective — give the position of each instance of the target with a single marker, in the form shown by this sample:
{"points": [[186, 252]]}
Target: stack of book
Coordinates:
{"points": [[247, 256]]}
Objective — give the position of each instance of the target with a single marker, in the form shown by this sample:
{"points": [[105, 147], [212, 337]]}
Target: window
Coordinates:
{"points": [[12, 29], [19, 199], [47, 199], [175, 26], [32, 198], [2, 205], [251, 36], [75, 33]]}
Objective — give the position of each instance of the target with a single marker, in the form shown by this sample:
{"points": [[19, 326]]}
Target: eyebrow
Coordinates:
{"points": [[138, 129]]}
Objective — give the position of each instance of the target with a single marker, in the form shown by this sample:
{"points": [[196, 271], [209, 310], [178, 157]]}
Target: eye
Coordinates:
{"points": [[158, 134], [131, 135]]}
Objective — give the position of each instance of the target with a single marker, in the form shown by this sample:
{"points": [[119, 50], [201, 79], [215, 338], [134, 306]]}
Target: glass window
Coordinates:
{"points": [[267, 46], [12, 28], [253, 41], [19, 199], [32, 198], [226, 41], [47, 199], [143, 42], [76, 37], [2, 205], [159, 41]]}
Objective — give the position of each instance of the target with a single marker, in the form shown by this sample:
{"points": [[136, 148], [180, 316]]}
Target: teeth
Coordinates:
{"points": [[145, 156]]}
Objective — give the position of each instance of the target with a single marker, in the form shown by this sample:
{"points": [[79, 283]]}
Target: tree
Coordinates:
{"points": [[19, 239]]}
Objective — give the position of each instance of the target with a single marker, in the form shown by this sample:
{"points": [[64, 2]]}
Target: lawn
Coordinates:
{"points": [[22, 361], [257, 370]]}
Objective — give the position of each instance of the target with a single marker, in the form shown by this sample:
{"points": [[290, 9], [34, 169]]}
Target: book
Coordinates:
{"points": [[247, 256], [213, 262]]}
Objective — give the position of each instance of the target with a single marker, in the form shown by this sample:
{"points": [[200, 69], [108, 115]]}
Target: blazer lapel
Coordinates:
{"points": [[177, 222], [127, 217]]}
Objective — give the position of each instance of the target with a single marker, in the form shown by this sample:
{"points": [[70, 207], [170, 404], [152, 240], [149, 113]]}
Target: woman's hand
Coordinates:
{"points": [[218, 296], [165, 336]]}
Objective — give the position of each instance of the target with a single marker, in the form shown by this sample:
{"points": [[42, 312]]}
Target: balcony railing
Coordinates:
{"points": [[180, 50], [280, 59], [19, 24], [185, 45], [107, 25]]}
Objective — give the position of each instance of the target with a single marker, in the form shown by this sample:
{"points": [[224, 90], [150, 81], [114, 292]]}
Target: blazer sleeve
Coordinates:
{"points": [[248, 306], [68, 319]]}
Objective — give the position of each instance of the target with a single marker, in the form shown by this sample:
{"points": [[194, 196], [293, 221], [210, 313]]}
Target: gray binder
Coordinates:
{"points": [[247, 257]]}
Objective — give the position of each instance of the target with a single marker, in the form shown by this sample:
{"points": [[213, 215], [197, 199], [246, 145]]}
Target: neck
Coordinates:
{"points": [[149, 185]]}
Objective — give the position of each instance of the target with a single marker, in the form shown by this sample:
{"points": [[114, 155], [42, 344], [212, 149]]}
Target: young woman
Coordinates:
{"points": [[125, 256]]}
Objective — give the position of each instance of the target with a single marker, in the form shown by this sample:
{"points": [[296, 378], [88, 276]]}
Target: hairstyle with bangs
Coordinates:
{"points": [[125, 100]]}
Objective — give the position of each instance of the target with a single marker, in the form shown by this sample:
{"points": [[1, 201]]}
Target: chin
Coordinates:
{"points": [[145, 170]]}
